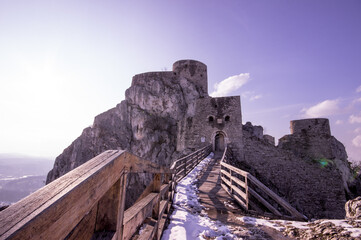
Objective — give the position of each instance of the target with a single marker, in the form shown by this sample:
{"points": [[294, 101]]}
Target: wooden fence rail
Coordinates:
{"points": [[184, 165], [237, 183], [88, 202]]}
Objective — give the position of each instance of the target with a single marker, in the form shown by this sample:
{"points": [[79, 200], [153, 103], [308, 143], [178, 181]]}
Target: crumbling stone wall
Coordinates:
{"points": [[316, 190], [311, 140], [215, 116]]}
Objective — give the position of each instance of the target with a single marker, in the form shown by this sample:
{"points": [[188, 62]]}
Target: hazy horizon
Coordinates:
{"points": [[64, 62]]}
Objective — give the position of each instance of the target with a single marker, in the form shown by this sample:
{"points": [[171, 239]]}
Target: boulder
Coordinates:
{"points": [[353, 209]]}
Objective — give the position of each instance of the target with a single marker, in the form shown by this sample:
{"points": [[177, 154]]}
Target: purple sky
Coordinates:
{"points": [[64, 62]]}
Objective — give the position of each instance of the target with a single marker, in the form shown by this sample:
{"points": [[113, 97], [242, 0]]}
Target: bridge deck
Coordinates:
{"points": [[221, 207]]}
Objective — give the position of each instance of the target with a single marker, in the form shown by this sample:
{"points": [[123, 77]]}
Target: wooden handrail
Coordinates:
{"points": [[89, 201], [184, 165], [241, 191]]}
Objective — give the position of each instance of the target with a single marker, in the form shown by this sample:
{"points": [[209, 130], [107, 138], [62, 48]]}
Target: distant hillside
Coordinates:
{"points": [[20, 176], [12, 165]]}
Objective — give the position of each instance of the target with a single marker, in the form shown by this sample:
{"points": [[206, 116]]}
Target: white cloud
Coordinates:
{"points": [[322, 109], [339, 122], [358, 89], [355, 119], [225, 87], [255, 97], [357, 141], [357, 130], [251, 95]]}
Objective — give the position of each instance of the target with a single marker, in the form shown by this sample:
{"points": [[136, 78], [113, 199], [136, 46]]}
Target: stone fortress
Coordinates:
{"points": [[166, 115]]}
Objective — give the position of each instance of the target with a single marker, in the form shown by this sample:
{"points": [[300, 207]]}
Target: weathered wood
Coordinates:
{"points": [[123, 184], [248, 177], [164, 190], [161, 225], [20, 210], [264, 202], [234, 169], [84, 230], [234, 188], [136, 214], [107, 216], [234, 179], [58, 215], [278, 199], [91, 198], [149, 230]]}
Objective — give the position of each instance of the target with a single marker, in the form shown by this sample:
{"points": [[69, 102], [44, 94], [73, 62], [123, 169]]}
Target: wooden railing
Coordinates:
{"points": [[184, 165], [88, 202], [243, 187]]}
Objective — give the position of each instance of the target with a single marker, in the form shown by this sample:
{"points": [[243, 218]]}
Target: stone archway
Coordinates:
{"points": [[219, 141]]}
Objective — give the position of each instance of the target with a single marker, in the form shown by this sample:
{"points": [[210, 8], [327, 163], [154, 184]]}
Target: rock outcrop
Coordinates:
{"points": [[353, 209], [145, 123], [308, 168]]}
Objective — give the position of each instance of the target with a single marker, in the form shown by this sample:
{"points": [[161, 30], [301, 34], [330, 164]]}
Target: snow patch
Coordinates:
{"points": [[189, 220]]}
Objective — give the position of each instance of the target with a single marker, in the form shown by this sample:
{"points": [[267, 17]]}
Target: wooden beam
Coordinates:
{"points": [[136, 214], [264, 202], [234, 179], [84, 230], [278, 199], [120, 224], [57, 208], [107, 216], [234, 169]]}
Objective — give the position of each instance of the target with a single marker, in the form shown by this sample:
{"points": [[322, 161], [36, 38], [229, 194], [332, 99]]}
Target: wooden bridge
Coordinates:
{"points": [[88, 202]]}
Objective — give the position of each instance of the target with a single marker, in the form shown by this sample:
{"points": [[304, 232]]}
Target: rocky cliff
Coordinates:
{"points": [[145, 123], [309, 167]]}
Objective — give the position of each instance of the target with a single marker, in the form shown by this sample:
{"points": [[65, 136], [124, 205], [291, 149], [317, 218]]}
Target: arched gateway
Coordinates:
{"points": [[219, 141]]}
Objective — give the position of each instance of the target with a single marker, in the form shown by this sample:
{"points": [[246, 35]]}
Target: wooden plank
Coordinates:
{"points": [[149, 230], [239, 171], [162, 207], [264, 202], [278, 199], [239, 192], [84, 230], [58, 215], [234, 179], [161, 224], [256, 208], [240, 202], [136, 214], [123, 184], [164, 189], [20, 210], [107, 216], [235, 188]]}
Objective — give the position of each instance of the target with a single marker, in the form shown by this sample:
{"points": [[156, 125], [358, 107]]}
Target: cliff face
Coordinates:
{"points": [[145, 123]]}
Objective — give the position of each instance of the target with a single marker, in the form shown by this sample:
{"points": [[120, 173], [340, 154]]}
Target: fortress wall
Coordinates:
{"points": [[312, 126], [213, 115], [194, 71]]}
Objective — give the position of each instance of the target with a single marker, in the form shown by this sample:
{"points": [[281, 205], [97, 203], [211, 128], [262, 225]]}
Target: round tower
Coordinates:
{"points": [[194, 71], [312, 126]]}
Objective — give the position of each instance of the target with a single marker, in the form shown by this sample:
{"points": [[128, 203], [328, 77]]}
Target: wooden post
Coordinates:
{"points": [[247, 194], [107, 214], [155, 213], [123, 184], [185, 166], [230, 179]]}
